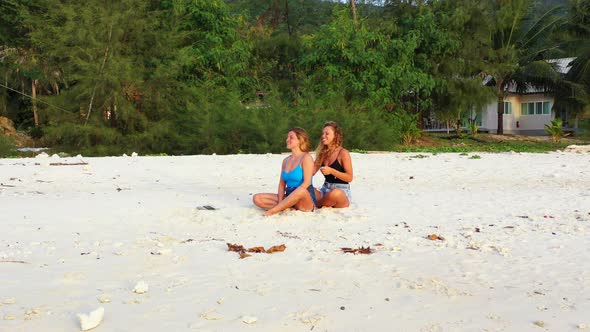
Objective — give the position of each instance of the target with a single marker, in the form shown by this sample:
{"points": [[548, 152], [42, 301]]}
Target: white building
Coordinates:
{"points": [[527, 113]]}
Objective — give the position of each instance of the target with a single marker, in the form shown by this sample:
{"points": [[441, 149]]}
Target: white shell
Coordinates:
{"points": [[91, 320]]}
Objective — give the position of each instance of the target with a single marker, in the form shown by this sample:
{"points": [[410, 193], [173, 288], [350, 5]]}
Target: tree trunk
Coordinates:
{"points": [[289, 29], [353, 8], [34, 95], [500, 87], [500, 130], [104, 61]]}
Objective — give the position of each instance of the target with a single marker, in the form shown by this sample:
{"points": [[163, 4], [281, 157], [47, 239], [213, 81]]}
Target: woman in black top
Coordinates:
{"points": [[334, 162]]}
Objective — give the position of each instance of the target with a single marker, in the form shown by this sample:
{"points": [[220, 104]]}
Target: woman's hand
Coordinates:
{"points": [[326, 170]]}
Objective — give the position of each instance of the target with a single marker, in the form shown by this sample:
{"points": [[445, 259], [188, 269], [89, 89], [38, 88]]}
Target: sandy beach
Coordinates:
{"points": [[80, 233]]}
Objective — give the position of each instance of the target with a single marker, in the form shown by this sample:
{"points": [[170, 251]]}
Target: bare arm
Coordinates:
{"points": [[281, 189], [308, 168], [346, 163]]}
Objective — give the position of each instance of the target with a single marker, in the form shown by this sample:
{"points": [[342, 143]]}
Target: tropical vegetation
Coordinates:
{"points": [[212, 76]]}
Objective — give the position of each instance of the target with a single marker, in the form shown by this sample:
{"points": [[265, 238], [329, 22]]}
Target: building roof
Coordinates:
{"points": [[563, 64]]}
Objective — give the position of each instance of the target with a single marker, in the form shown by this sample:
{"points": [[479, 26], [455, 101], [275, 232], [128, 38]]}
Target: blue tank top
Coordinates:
{"points": [[294, 178]]}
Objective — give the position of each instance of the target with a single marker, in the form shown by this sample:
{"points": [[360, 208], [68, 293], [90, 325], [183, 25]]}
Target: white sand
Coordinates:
{"points": [[75, 238]]}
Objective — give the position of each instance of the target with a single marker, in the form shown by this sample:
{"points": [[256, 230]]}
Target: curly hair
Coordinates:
{"points": [[324, 151], [302, 137]]}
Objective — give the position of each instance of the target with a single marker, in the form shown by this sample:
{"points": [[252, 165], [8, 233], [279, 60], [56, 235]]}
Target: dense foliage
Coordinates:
{"points": [[211, 76]]}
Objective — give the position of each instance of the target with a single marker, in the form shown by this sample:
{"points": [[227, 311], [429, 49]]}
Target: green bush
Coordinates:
{"points": [[556, 130], [7, 147], [407, 124], [77, 138]]}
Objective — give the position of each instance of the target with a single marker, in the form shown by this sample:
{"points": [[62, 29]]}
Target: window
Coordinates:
{"points": [[546, 107], [507, 107], [539, 107]]}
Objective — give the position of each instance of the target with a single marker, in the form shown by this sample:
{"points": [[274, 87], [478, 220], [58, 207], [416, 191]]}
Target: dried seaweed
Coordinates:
{"points": [[361, 250], [259, 250]]}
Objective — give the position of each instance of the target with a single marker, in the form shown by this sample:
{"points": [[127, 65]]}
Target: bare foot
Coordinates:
{"points": [[269, 213]]}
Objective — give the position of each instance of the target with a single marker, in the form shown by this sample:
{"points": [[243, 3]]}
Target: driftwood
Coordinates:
{"points": [[65, 164], [19, 262]]}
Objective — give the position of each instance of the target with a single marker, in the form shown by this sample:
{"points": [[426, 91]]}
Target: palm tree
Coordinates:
{"points": [[519, 42], [573, 96]]}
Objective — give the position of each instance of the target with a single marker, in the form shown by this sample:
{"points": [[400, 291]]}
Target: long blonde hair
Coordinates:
{"points": [[324, 151], [302, 137]]}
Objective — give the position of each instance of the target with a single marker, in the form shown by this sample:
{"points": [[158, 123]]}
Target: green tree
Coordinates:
{"points": [[573, 93], [366, 67], [518, 45], [460, 89]]}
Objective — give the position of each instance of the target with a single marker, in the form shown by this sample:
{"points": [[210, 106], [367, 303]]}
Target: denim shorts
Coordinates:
{"points": [[310, 189], [327, 187]]}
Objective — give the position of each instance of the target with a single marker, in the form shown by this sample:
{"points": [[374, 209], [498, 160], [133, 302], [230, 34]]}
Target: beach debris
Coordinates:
{"points": [[274, 249], [211, 315], [30, 314], [91, 320], [523, 217], [206, 207], [342, 308], [243, 255], [361, 250], [582, 326], [473, 246], [19, 262], [477, 230], [249, 319], [548, 217], [435, 237], [539, 323], [104, 298], [141, 287], [235, 247], [259, 250], [288, 235], [9, 317]]}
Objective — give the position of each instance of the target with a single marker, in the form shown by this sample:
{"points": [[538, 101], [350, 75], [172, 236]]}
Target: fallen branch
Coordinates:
{"points": [[68, 164], [19, 262], [65, 164]]}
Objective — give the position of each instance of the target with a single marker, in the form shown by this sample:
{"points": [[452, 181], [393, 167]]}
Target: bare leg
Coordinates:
{"points": [[300, 199], [265, 200], [318, 197], [335, 198]]}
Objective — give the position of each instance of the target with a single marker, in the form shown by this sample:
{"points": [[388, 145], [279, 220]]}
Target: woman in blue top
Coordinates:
{"points": [[334, 162], [295, 189]]}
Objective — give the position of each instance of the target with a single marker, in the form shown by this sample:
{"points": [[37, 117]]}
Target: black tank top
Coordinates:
{"points": [[331, 178]]}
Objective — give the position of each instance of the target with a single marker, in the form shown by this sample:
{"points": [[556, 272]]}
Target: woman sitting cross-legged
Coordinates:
{"points": [[295, 189], [334, 162]]}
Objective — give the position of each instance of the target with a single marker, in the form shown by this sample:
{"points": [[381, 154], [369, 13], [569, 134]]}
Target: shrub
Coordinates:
{"points": [[7, 147], [407, 124], [556, 130]]}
